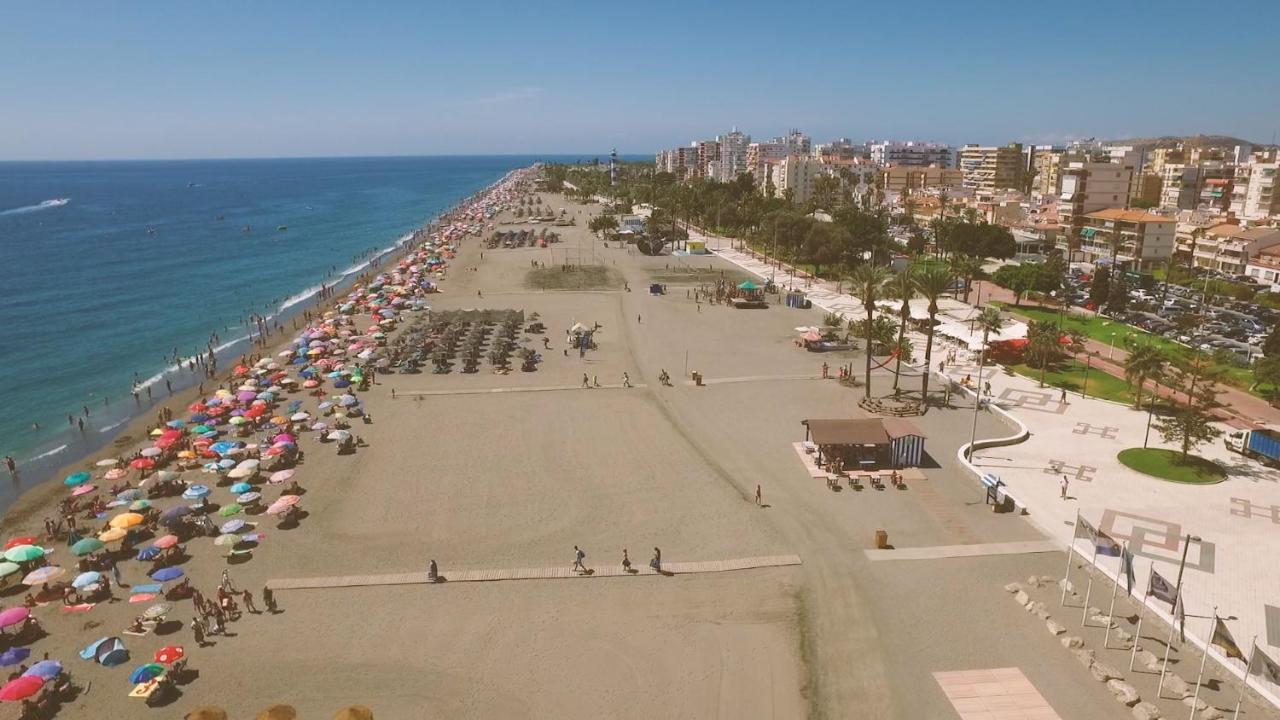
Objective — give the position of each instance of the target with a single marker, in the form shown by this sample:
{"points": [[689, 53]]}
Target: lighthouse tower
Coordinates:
{"points": [[613, 166]]}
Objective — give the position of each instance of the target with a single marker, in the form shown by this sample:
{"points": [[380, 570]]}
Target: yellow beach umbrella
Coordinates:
{"points": [[126, 520], [113, 535]]}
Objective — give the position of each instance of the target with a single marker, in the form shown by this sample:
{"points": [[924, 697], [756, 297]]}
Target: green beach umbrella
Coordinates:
{"points": [[140, 505], [748, 285], [86, 546], [7, 569], [229, 539], [200, 429], [75, 479], [229, 510], [23, 553]]}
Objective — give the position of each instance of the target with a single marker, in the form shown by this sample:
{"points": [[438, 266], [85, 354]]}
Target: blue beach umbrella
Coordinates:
{"points": [[240, 488], [232, 526], [226, 463], [167, 574], [47, 669], [223, 447], [146, 673], [130, 495], [13, 656], [176, 423], [75, 479], [111, 652], [196, 492], [149, 553], [85, 579]]}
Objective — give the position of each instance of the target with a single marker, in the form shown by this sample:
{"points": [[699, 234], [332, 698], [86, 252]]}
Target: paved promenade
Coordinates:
{"points": [[1232, 566]]}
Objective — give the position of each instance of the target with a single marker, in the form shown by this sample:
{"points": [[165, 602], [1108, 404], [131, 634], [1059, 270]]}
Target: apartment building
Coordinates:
{"points": [[1088, 187], [733, 156], [1226, 247], [796, 175], [1179, 186], [1265, 267], [911, 154], [991, 168], [1254, 196], [900, 177], [1036, 240], [1134, 239]]}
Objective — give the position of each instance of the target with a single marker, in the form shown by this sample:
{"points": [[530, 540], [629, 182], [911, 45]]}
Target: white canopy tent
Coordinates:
{"points": [[972, 338]]}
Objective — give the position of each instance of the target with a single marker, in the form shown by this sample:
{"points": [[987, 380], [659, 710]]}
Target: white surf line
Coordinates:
{"points": [[545, 573]]}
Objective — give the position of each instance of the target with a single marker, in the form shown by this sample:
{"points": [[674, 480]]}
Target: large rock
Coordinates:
{"points": [[1210, 713], [1054, 627], [1148, 660], [1039, 609], [1021, 597], [1103, 673], [1013, 588], [1034, 581], [1146, 711], [1195, 702], [1124, 692], [1122, 636], [1176, 685], [1100, 620], [1084, 656], [1065, 583], [1073, 642]]}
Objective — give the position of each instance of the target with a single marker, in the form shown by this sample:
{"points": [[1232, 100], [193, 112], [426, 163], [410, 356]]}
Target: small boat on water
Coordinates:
{"points": [[282, 228], [151, 231], [246, 228], [220, 217]]}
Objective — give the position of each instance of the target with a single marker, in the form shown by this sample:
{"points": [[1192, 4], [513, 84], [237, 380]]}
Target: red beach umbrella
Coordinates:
{"points": [[143, 463], [22, 688], [169, 654]]}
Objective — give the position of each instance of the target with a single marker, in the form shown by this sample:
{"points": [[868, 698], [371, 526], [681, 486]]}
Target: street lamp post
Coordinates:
{"points": [[977, 391], [1111, 353], [1084, 387]]}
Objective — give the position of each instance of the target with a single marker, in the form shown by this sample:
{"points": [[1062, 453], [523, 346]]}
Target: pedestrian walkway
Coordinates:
{"points": [[514, 389], [544, 573], [938, 552], [753, 378], [995, 694]]}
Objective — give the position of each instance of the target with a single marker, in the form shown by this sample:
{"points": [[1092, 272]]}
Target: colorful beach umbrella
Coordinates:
{"points": [[87, 546], [24, 540], [8, 568], [196, 492], [13, 656], [164, 542], [23, 553], [83, 490], [137, 505], [21, 689], [146, 673], [75, 479], [126, 520], [142, 463], [227, 540], [85, 579], [167, 574], [230, 509], [232, 526], [13, 616], [170, 654], [150, 552], [47, 669], [40, 576], [158, 610], [113, 535]]}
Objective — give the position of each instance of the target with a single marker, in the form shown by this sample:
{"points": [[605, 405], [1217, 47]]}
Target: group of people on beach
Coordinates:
{"points": [[580, 564]]}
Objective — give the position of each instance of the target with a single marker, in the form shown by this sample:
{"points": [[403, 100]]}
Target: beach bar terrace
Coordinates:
{"points": [[865, 444]]}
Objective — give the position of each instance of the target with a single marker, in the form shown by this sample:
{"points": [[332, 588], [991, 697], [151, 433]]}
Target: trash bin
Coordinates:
{"points": [[697, 378], [882, 540]]}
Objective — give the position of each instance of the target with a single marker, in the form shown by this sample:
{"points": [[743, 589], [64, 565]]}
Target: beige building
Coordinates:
{"points": [[991, 168], [1179, 186], [1090, 187], [797, 174], [1133, 238], [1226, 247], [900, 177], [1265, 267]]}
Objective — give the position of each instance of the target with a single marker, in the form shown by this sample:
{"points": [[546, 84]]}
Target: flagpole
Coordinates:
{"points": [[1115, 586], [1071, 545], [1173, 626], [1089, 591], [1204, 659], [1142, 613], [1253, 650]]}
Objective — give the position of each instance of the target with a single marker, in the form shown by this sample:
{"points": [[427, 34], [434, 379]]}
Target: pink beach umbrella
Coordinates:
{"points": [[83, 490], [13, 616]]}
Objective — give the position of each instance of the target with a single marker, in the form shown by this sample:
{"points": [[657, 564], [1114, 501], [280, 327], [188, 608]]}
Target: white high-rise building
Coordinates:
{"points": [[1254, 196], [733, 156], [916, 154], [796, 173]]}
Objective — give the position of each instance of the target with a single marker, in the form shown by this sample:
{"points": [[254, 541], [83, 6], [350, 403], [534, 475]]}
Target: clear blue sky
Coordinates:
{"points": [[251, 79]]}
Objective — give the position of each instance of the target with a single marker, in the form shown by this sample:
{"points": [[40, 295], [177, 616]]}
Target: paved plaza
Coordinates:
{"points": [[1232, 566]]}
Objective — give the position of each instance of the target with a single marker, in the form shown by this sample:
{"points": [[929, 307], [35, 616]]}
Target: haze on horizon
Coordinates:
{"points": [[141, 81]]}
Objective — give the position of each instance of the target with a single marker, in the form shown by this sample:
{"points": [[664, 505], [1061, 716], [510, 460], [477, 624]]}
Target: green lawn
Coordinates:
{"points": [[1101, 329], [1070, 374], [1169, 465]]}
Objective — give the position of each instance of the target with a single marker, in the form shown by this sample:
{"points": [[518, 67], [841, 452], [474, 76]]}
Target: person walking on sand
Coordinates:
{"points": [[1065, 484], [759, 500], [269, 599], [247, 597], [226, 581], [626, 561], [656, 562], [1063, 398], [586, 381], [595, 381], [626, 380], [197, 629], [578, 557]]}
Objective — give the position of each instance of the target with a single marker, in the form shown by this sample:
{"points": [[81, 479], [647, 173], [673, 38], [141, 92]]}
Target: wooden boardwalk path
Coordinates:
{"points": [[544, 573]]}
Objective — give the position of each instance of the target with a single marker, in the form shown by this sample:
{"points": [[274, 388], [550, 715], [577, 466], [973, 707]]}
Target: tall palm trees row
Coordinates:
{"points": [[873, 283]]}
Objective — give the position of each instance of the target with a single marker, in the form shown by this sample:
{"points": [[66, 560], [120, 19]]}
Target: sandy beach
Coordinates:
{"points": [[508, 472]]}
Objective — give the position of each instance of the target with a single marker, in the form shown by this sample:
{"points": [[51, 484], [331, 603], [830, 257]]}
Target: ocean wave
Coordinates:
{"points": [[54, 451], [113, 426], [300, 297], [56, 202]]}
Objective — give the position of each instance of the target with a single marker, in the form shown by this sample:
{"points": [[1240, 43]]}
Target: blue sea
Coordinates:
{"points": [[111, 267]]}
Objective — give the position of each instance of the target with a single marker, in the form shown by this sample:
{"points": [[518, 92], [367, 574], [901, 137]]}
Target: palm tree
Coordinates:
{"points": [[932, 284], [901, 287], [1043, 344], [989, 321], [967, 268], [1145, 362], [867, 283]]}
